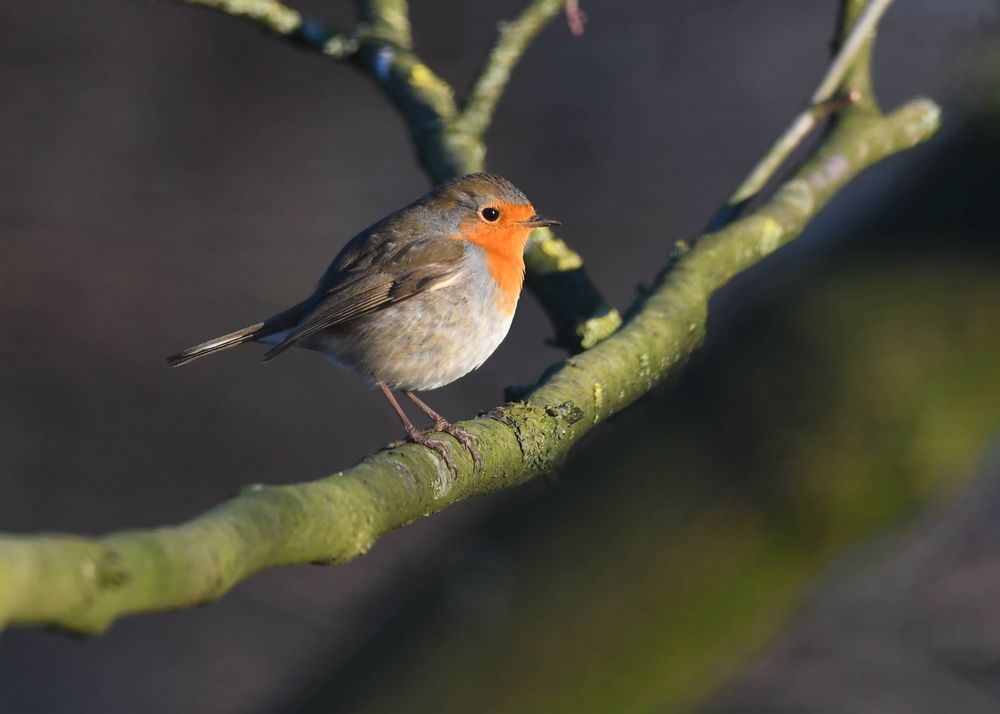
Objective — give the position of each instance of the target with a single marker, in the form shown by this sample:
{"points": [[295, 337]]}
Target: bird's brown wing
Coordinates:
{"points": [[392, 276]]}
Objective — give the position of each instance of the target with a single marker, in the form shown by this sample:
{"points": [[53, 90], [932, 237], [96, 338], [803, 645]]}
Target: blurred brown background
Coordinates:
{"points": [[169, 174]]}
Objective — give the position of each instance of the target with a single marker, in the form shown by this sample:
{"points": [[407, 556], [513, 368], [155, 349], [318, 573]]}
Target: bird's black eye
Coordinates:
{"points": [[490, 214]]}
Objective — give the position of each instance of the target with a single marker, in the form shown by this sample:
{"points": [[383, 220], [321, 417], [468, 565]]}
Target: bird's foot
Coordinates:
{"points": [[465, 437], [422, 437]]}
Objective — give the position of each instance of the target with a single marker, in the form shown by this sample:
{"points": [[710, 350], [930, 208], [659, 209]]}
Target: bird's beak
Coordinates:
{"points": [[537, 221]]}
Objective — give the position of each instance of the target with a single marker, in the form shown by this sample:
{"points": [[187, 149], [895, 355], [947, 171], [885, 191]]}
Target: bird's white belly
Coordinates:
{"points": [[424, 342]]}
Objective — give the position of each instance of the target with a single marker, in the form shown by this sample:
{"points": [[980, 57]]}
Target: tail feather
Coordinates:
{"points": [[244, 334]]}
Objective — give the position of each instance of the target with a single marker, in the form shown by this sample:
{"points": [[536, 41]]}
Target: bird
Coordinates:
{"points": [[415, 301]]}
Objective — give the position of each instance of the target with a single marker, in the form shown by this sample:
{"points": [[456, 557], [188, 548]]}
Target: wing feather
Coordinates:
{"points": [[351, 300]]}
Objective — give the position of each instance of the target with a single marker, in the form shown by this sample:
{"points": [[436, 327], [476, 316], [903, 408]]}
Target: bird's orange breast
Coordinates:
{"points": [[503, 243]]}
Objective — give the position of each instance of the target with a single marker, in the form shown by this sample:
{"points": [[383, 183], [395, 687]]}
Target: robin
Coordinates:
{"points": [[415, 301]]}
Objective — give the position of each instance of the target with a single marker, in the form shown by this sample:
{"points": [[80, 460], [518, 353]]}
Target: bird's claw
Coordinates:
{"points": [[437, 445], [465, 437]]}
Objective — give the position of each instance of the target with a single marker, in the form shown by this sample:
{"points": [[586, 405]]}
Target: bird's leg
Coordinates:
{"points": [[465, 437], [412, 434]]}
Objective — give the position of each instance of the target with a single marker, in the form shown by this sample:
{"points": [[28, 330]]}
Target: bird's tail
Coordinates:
{"points": [[244, 334]]}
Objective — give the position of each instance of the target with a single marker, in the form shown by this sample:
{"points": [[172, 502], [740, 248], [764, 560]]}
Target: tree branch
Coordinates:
{"points": [[843, 77], [85, 583], [281, 20], [514, 37], [390, 17], [555, 274], [858, 73], [855, 37]]}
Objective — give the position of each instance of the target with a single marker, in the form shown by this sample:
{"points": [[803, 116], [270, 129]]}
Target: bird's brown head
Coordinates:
{"points": [[492, 213]]}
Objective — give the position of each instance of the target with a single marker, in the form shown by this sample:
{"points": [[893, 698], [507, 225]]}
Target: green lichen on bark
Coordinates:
{"points": [[555, 274]]}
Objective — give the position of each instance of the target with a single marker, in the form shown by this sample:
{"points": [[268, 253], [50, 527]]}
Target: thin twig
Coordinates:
{"points": [[283, 21], [389, 18], [514, 37], [860, 34], [794, 135], [576, 18], [824, 101]]}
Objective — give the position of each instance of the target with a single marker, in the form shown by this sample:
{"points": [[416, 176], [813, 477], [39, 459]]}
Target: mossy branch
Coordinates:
{"points": [[390, 18], [86, 583]]}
